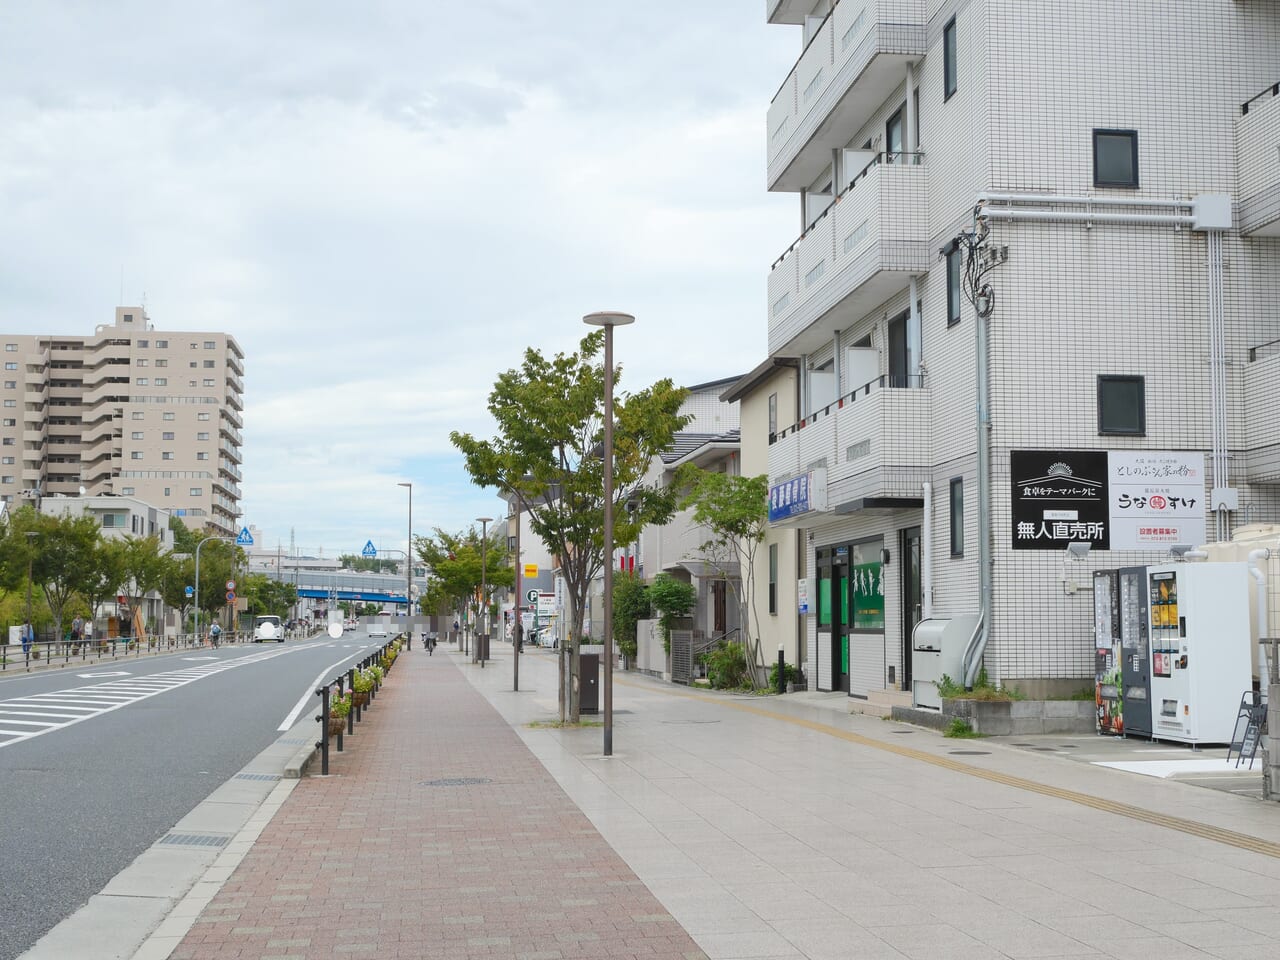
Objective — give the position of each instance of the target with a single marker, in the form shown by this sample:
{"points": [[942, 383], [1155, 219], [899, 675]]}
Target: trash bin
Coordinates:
{"points": [[589, 692], [482, 646]]}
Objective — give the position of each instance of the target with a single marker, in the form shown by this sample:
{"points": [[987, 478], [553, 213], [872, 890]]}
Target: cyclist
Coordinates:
{"points": [[215, 632]]}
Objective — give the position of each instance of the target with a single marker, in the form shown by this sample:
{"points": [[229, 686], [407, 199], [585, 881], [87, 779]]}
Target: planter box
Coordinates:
{"points": [[1013, 718]]}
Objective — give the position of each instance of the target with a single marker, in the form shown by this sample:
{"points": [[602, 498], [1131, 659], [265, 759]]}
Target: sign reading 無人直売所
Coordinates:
{"points": [[1112, 500]]}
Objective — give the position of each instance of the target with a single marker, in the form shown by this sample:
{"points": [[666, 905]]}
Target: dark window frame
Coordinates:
{"points": [[773, 417], [957, 528], [949, 81], [1107, 379], [1128, 184], [955, 285]]}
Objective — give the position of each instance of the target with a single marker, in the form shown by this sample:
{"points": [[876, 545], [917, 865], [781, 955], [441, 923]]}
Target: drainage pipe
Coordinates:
{"points": [[1053, 198], [1088, 216], [926, 556], [978, 642]]}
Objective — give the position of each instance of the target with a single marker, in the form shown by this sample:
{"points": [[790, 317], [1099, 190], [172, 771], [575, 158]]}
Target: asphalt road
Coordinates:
{"points": [[81, 801]]}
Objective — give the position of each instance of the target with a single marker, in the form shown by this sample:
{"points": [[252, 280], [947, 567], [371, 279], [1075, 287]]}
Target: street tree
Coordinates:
{"points": [[179, 573], [454, 561], [106, 575], [734, 512], [144, 568], [547, 455], [65, 547]]}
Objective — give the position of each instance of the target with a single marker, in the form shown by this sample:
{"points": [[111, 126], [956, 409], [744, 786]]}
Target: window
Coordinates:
{"points": [[11, 403], [197, 491], [143, 343], [166, 455], [773, 416], [208, 383], [7, 478], [1115, 158], [195, 346], [136, 435], [135, 455], [202, 416], [168, 416], [954, 267], [191, 383], [142, 382], [202, 456], [210, 345], [11, 384], [1122, 406], [143, 361], [8, 442], [138, 414], [209, 364], [202, 435], [10, 365], [773, 578], [126, 491], [166, 491], [10, 422], [161, 362], [193, 364], [128, 318], [11, 348], [957, 517], [949, 59], [893, 135], [168, 435], [162, 344], [7, 461], [162, 381]]}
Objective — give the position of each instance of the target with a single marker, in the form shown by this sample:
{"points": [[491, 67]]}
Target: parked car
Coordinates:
{"points": [[377, 630], [268, 627]]}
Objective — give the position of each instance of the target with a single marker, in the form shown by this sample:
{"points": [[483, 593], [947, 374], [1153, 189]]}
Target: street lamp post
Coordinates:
{"points": [[198, 546], [484, 593], [608, 320], [31, 551], [408, 572]]}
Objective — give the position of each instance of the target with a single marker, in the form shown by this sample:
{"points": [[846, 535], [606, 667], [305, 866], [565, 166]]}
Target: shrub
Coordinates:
{"points": [[726, 666], [672, 599], [960, 729], [793, 675], [630, 604]]}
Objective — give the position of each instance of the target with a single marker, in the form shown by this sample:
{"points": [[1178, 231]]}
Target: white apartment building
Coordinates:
{"points": [[131, 411], [1112, 170]]}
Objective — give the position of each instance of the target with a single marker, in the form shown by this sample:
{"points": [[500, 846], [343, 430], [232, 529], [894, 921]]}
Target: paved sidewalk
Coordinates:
{"points": [[730, 827], [437, 834]]}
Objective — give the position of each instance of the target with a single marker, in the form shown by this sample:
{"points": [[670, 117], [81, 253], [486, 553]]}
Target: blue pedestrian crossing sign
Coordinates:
{"points": [[245, 539], [369, 550]]}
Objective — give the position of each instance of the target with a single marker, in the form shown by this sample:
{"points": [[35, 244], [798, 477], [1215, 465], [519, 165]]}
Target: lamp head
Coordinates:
{"points": [[608, 318]]}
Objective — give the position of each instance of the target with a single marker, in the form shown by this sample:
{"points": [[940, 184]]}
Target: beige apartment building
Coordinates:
{"points": [[131, 411]]}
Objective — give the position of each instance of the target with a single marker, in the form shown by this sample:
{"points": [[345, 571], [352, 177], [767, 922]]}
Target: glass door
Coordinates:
{"points": [[911, 599]]}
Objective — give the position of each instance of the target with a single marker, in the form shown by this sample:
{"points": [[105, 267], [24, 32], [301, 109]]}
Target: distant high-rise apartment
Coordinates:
{"points": [[131, 411], [1029, 327]]}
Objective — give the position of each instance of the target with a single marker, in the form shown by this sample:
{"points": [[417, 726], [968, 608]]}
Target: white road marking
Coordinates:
{"points": [[302, 704], [95, 676], [93, 700]]}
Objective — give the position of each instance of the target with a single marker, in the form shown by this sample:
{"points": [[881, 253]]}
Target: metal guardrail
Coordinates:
{"points": [[347, 681], [37, 653]]}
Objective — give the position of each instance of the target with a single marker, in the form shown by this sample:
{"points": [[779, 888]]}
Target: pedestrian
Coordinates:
{"points": [[88, 632], [77, 630], [27, 636], [456, 628]]}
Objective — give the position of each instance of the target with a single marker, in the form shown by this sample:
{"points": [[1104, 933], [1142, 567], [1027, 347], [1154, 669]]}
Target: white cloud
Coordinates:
{"points": [[386, 203]]}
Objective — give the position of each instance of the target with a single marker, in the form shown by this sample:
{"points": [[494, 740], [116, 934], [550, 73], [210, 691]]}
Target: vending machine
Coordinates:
{"points": [[1201, 662], [1123, 667], [1108, 652], [1135, 661]]}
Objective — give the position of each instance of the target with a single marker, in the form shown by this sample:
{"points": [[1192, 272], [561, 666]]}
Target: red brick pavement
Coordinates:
{"points": [[373, 862]]}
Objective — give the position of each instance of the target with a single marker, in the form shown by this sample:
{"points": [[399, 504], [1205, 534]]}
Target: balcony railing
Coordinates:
{"points": [[862, 249], [1257, 164], [853, 62]]}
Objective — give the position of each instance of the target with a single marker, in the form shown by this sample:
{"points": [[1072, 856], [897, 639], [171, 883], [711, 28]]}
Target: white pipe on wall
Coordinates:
{"points": [[926, 555], [1264, 629]]}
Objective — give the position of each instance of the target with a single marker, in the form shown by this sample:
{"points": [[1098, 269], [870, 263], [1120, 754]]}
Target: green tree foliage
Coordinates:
{"points": [[266, 595], [672, 599], [184, 538], [734, 511], [144, 568], [180, 573], [454, 562], [106, 575], [546, 453], [368, 564], [630, 604], [63, 561]]}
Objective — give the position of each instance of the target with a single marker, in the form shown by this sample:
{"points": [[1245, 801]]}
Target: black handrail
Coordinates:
{"points": [[1273, 90], [348, 678], [1253, 351], [889, 381], [883, 156]]}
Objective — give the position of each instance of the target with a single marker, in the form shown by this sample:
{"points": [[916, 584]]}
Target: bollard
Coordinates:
{"points": [[782, 670], [351, 714], [326, 722]]}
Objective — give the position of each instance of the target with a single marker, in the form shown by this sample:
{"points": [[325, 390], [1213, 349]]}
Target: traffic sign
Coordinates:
{"points": [[190, 591], [530, 571], [369, 551], [532, 595], [245, 539], [231, 584], [231, 596]]}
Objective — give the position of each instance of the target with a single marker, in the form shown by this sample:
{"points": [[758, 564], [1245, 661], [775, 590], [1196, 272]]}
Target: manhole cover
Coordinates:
{"points": [[455, 782], [970, 753]]}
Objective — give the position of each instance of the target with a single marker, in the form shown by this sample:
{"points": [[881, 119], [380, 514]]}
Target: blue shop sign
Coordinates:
{"points": [[799, 495]]}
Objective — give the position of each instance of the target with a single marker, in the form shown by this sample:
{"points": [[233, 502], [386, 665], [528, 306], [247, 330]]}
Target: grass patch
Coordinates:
{"points": [[983, 689], [959, 729], [566, 725]]}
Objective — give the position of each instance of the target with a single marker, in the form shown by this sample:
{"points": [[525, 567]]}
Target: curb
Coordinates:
{"points": [[302, 758]]}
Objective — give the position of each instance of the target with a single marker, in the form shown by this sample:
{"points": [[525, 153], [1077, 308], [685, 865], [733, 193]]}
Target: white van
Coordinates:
{"points": [[268, 627], [377, 629]]}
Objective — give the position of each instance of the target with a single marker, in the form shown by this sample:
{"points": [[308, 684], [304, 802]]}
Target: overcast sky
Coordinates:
{"points": [[386, 202]]}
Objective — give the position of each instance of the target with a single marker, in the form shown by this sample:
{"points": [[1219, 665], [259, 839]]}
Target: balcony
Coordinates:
{"points": [[862, 251], [1258, 164], [234, 381], [234, 362], [1262, 414], [232, 451], [232, 416], [230, 469], [875, 443], [851, 66]]}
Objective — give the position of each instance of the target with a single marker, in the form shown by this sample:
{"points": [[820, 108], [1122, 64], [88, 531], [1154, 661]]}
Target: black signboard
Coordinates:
{"points": [[1059, 497]]}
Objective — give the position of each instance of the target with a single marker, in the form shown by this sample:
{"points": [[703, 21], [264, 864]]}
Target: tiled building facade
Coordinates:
{"points": [[1086, 148], [130, 411]]}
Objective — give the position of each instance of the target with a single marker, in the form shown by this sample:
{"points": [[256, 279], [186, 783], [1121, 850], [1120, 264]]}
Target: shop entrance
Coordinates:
{"points": [[851, 611], [909, 547], [833, 612]]}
